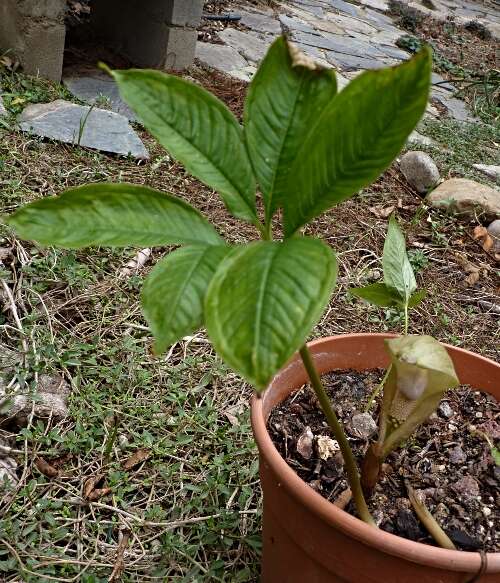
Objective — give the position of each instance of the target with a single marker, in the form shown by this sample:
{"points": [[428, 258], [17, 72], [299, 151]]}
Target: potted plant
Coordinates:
{"points": [[308, 148]]}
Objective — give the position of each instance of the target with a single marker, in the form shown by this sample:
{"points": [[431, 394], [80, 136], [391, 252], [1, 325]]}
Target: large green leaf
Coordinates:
{"points": [[264, 300], [173, 294], [198, 130], [356, 138], [398, 272], [376, 293], [112, 214], [286, 96]]}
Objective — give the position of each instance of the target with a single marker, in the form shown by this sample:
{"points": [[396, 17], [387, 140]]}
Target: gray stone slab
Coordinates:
{"points": [[393, 52], [291, 24], [260, 22], [345, 7], [340, 44], [353, 63], [455, 108], [249, 45], [220, 57], [100, 129], [382, 21], [349, 24], [377, 4], [439, 82], [94, 88], [416, 138]]}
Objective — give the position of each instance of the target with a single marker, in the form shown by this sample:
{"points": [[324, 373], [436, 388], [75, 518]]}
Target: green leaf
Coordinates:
{"points": [[118, 215], [376, 293], [356, 138], [264, 300], [422, 371], [173, 294], [398, 272], [198, 130], [416, 298], [285, 98]]}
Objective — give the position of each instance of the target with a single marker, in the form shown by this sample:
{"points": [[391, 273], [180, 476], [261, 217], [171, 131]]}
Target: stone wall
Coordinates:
{"points": [[150, 33], [34, 31]]}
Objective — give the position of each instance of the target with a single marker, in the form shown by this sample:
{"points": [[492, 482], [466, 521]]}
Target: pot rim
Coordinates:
{"points": [[464, 561]]}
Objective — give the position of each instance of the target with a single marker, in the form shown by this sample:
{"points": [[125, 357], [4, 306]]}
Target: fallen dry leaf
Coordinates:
{"points": [[45, 468], [232, 419], [98, 493], [305, 443], [90, 485], [61, 460], [472, 278], [382, 212], [481, 234], [136, 458]]}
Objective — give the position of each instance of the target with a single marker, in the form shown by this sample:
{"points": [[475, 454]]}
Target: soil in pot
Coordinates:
{"points": [[447, 458]]}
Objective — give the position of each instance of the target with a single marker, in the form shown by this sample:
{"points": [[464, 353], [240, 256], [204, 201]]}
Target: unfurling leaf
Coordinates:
{"points": [[118, 215], [264, 300], [422, 371], [398, 272], [173, 294], [198, 130]]}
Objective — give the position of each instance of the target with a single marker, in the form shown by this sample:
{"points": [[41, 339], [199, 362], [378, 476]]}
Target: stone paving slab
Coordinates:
{"points": [[92, 87], [81, 125]]}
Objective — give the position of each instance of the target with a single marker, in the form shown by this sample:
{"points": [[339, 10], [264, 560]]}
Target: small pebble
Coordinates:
{"points": [[479, 414], [457, 455], [362, 425], [486, 511], [445, 409], [327, 447], [305, 443]]}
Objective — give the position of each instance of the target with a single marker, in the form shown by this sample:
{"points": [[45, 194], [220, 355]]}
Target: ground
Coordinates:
{"points": [[190, 510]]}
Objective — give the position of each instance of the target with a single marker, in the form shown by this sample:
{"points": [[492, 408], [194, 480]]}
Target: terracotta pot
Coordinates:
{"points": [[306, 538]]}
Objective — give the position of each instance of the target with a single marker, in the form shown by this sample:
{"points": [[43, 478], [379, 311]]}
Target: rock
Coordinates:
{"points": [[8, 476], [490, 171], [93, 88], [79, 125], [52, 392], [421, 140], [362, 425], [261, 22], [439, 82], [467, 487], [457, 455], [220, 57], [3, 111], [245, 74], [467, 197], [408, 525], [462, 539], [251, 46], [419, 170], [377, 4], [305, 443], [327, 447], [455, 107], [445, 409]]}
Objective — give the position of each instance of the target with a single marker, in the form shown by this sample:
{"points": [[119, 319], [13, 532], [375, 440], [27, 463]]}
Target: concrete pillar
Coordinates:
{"points": [[34, 32], [160, 34]]}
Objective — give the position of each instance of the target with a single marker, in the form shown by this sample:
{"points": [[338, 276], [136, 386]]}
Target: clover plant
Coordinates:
{"points": [[305, 147]]}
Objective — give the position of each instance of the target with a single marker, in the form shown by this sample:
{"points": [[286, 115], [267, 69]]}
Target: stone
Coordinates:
{"points": [[455, 107], [445, 409], [8, 476], [244, 74], [457, 455], [467, 487], [3, 111], [416, 138], [345, 7], [291, 24], [494, 233], [220, 57], [94, 87], [52, 392], [252, 47], [261, 22], [362, 425], [347, 24], [100, 130], [467, 197], [419, 170], [488, 170], [439, 82], [352, 63], [182, 12]]}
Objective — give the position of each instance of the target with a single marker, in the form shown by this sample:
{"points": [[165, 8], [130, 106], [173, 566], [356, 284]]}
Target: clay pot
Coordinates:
{"points": [[306, 538]]}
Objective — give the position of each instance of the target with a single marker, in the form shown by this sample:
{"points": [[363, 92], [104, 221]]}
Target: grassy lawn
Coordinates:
{"points": [[191, 510]]}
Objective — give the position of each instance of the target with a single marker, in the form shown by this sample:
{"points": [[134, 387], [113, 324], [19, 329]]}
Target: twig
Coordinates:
{"points": [[13, 309], [119, 562]]}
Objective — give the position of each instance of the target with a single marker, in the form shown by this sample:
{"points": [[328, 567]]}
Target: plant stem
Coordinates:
{"points": [[336, 427], [377, 390], [406, 319]]}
